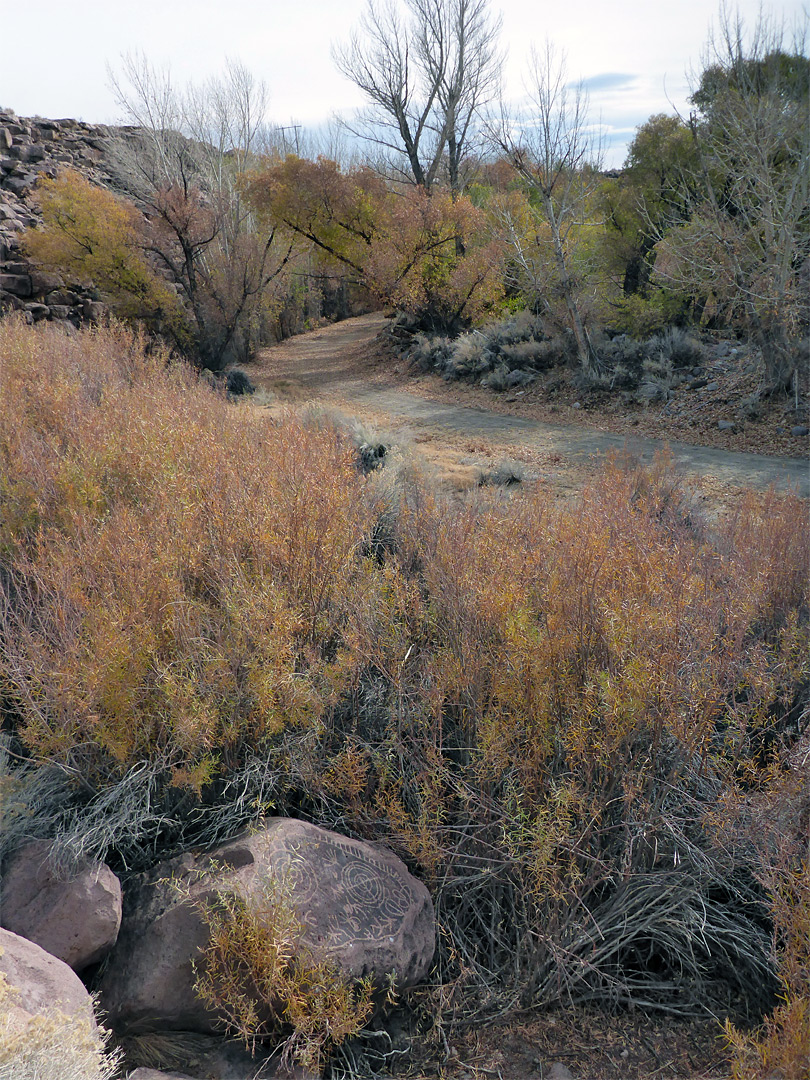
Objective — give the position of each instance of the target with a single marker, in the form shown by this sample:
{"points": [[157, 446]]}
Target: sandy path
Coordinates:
{"points": [[337, 367]]}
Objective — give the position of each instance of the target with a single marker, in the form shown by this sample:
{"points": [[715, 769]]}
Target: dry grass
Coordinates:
{"points": [[51, 1045], [208, 613]]}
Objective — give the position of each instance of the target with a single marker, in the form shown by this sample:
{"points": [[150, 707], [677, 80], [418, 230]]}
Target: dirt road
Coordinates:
{"points": [[338, 367]]}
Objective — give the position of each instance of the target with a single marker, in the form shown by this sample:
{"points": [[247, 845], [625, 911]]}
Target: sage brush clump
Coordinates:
{"points": [[517, 344]]}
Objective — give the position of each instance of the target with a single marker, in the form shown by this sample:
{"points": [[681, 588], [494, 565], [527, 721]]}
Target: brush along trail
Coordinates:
{"points": [[464, 431]]}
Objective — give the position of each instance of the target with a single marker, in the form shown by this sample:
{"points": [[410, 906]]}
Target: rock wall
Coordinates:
{"points": [[31, 148]]}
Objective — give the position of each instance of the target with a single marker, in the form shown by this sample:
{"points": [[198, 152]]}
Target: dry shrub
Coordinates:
{"points": [[772, 812], [540, 707], [175, 568], [259, 974], [781, 1045], [588, 683], [51, 1045], [517, 343]]}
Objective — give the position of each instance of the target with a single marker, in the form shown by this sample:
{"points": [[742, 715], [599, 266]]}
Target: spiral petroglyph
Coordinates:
{"points": [[368, 899], [296, 871]]}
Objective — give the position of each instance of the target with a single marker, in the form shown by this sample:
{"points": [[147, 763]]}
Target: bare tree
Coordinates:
{"points": [[426, 73], [747, 244], [558, 154], [181, 159]]}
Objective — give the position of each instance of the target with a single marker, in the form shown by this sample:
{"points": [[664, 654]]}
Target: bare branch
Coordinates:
{"points": [[426, 79]]}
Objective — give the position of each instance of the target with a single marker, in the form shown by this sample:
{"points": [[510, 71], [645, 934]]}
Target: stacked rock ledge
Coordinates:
{"points": [[31, 148]]}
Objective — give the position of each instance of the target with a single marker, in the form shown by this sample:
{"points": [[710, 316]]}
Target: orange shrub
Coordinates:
{"points": [[554, 713], [178, 563]]}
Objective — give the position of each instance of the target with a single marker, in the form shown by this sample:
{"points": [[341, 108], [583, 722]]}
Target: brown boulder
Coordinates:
{"points": [[267, 1071], [148, 981], [154, 1055], [39, 982], [18, 284], [37, 311], [358, 905], [75, 919], [42, 282], [93, 310], [21, 183], [227, 1066]]}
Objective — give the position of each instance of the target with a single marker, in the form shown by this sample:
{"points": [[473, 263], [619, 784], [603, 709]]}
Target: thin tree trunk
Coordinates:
{"points": [[584, 350]]}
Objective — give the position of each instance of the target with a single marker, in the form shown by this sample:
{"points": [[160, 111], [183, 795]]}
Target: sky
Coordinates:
{"points": [[634, 56]]}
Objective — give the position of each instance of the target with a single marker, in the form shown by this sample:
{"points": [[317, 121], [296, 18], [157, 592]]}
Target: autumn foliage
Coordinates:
{"points": [[428, 255], [570, 720], [95, 238], [189, 541]]}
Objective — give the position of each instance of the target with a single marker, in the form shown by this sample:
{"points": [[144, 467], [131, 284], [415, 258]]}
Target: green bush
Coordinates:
{"points": [[641, 316]]}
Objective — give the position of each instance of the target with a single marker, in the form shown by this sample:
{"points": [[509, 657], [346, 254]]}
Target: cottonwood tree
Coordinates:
{"points": [[427, 68], [557, 153], [652, 192], [429, 256], [181, 160], [747, 243]]}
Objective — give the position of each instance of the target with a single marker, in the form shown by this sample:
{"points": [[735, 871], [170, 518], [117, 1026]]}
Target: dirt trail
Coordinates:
{"points": [[338, 367]]}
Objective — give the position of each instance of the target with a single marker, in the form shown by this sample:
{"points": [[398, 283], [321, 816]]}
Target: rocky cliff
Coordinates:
{"points": [[31, 148]]}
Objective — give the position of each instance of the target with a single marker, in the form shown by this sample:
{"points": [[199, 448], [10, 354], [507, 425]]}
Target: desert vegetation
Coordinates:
{"points": [[585, 727], [52, 1045], [455, 209]]}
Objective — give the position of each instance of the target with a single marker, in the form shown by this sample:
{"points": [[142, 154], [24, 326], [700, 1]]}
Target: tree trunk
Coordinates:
{"points": [[779, 359], [584, 350]]}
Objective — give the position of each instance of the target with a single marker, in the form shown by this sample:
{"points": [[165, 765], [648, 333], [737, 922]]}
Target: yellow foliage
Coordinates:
{"points": [[92, 236], [260, 975]]}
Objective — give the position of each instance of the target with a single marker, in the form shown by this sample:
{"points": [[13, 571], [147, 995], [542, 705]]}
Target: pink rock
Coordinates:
{"points": [[76, 920], [41, 982]]}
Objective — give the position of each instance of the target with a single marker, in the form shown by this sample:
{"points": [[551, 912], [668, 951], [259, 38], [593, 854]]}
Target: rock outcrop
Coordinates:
{"points": [[75, 918], [357, 904], [31, 148]]}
